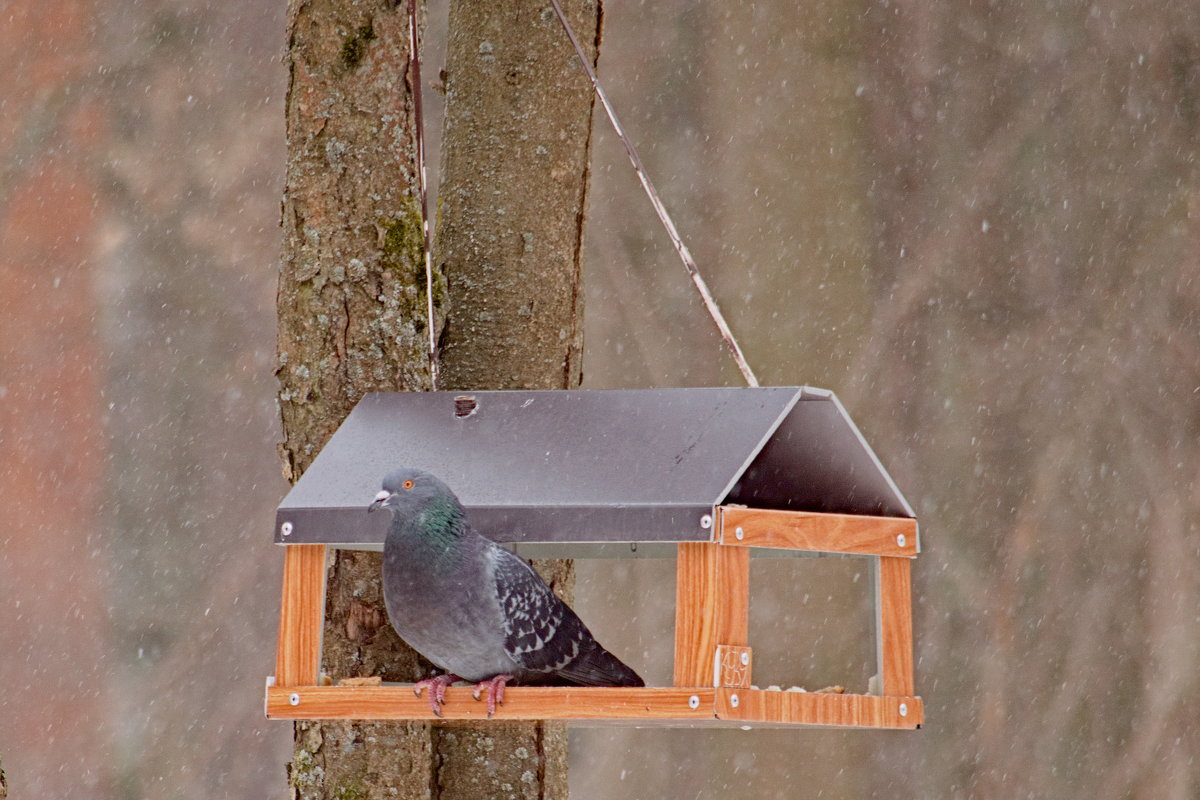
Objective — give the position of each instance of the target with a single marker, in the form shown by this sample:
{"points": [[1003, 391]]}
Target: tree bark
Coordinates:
{"points": [[352, 320], [510, 236], [352, 316], [514, 179]]}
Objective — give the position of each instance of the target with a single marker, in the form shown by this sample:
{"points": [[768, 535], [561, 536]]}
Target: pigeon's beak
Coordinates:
{"points": [[379, 502]]}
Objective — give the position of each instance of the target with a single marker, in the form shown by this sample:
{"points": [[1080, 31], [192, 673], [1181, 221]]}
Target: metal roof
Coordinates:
{"points": [[602, 466]]}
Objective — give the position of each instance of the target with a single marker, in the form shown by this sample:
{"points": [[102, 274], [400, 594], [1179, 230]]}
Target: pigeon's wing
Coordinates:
{"points": [[542, 634]]}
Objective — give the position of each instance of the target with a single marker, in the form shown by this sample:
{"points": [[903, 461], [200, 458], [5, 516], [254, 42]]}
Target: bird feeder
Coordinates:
{"points": [[707, 475]]}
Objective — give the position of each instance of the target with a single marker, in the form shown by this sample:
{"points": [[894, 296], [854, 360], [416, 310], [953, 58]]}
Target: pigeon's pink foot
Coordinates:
{"points": [[437, 690], [495, 690]]}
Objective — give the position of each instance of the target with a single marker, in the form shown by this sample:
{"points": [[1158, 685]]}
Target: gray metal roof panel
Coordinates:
{"points": [[588, 465], [819, 461]]}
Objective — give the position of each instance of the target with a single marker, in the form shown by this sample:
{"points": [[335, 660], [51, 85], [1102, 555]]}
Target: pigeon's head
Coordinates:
{"points": [[410, 490]]}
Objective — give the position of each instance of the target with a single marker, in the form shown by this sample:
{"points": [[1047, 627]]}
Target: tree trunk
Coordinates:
{"points": [[510, 237], [351, 320], [351, 317], [514, 178]]}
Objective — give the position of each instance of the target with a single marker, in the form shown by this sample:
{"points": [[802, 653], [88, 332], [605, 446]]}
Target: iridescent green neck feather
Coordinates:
{"points": [[442, 519], [432, 535]]}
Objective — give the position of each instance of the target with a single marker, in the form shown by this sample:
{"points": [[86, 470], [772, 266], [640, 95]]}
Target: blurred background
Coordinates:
{"points": [[979, 223]]}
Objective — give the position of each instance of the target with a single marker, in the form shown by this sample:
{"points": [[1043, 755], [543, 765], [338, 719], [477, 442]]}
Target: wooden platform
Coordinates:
{"points": [[671, 705]]}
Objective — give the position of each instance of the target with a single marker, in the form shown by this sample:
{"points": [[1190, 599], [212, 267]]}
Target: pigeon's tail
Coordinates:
{"points": [[598, 667]]}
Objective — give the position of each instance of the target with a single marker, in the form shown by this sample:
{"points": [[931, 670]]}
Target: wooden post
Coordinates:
{"points": [[712, 603], [298, 658], [893, 604]]}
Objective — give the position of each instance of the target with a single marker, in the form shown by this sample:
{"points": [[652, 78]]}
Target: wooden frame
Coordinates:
{"points": [[713, 659], [302, 615]]}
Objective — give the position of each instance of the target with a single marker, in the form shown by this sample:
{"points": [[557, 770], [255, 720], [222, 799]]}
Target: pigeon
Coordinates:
{"points": [[473, 608]]}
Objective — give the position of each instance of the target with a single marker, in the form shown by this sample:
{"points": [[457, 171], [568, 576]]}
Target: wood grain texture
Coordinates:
{"points": [[811, 708], [826, 533], [712, 602], [298, 657], [670, 706], [894, 624], [397, 701]]}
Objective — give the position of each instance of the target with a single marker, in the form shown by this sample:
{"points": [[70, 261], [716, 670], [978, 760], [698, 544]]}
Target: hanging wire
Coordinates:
{"points": [[685, 255], [414, 49]]}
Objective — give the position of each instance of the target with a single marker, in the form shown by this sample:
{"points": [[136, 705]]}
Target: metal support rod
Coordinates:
{"points": [[685, 255], [414, 50]]}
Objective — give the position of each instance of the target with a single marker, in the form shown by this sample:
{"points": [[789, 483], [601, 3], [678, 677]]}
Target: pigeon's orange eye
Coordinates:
{"points": [[408, 484]]}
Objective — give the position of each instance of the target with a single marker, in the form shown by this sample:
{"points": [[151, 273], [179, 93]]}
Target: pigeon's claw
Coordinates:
{"points": [[495, 690], [437, 690]]}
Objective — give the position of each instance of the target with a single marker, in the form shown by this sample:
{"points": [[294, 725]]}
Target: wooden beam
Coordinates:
{"points": [[894, 625], [664, 706], [826, 533], [712, 601], [815, 708], [298, 657], [397, 701]]}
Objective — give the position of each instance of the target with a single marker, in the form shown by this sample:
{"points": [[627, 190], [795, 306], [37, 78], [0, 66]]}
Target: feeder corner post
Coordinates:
{"points": [[712, 608], [893, 625], [301, 617]]}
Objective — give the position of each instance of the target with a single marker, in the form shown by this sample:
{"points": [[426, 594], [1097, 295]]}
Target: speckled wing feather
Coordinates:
{"points": [[542, 634]]}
